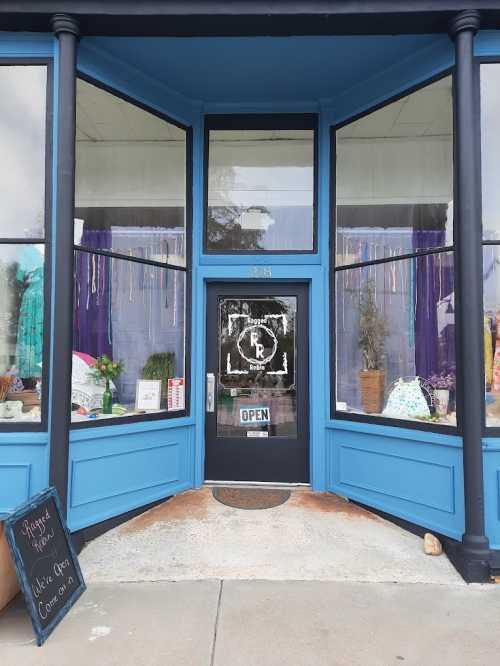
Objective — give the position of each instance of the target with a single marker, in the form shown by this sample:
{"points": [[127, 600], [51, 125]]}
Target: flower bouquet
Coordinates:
{"points": [[107, 369], [442, 384]]}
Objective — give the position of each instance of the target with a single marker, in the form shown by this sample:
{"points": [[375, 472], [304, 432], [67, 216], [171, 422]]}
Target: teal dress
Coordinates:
{"points": [[29, 350]]}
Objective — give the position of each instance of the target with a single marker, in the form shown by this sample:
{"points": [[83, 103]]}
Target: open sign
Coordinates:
{"points": [[255, 415]]}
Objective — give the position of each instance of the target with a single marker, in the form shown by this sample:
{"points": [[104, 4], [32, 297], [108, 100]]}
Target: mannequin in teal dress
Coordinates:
{"points": [[29, 351]]}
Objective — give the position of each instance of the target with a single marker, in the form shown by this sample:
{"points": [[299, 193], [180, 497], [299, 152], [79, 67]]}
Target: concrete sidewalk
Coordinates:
{"points": [[265, 623]]}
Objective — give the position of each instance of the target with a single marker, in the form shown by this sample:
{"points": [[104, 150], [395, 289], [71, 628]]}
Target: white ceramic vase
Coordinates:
{"points": [[441, 401]]}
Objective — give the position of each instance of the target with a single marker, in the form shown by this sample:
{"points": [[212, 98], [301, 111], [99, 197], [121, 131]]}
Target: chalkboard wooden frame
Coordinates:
{"points": [[42, 632]]}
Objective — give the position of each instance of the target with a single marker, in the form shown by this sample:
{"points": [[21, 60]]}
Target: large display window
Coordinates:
{"points": [[394, 310], [131, 277], [25, 121]]}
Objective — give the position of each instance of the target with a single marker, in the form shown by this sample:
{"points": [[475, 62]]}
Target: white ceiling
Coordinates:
{"points": [[426, 112], [101, 116]]}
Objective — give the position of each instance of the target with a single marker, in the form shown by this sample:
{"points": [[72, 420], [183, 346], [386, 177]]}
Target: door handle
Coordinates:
{"points": [[210, 403]]}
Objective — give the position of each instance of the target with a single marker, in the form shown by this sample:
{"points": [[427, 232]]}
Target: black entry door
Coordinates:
{"points": [[257, 400]]}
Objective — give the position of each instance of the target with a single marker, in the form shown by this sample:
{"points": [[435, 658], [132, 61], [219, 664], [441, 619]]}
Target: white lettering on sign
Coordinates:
{"points": [[255, 415]]}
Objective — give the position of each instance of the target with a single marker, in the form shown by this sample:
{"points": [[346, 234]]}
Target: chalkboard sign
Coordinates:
{"points": [[46, 563]]}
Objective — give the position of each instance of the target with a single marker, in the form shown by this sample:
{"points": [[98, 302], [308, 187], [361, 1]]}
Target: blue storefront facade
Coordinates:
{"points": [[384, 133]]}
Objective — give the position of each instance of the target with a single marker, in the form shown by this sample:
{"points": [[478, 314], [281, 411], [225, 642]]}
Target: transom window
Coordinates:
{"points": [[260, 184]]}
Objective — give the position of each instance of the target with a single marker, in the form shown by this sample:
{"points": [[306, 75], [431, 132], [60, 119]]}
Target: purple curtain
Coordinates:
{"points": [[434, 348], [92, 316]]}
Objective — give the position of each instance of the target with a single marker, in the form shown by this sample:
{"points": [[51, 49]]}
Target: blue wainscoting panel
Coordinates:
{"points": [[23, 468], [491, 458], [113, 472], [415, 475]]}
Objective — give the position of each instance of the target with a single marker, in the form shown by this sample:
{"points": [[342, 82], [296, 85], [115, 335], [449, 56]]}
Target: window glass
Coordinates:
{"points": [[260, 190], [490, 149], [132, 314], [256, 388], [22, 141], [491, 291], [395, 340], [21, 332], [130, 179], [395, 178]]}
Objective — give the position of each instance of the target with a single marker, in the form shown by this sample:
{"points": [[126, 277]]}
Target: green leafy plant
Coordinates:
{"points": [[160, 366], [372, 329]]}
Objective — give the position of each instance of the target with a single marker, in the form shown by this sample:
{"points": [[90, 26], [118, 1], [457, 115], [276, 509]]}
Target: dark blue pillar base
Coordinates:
{"points": [[471, 558]]}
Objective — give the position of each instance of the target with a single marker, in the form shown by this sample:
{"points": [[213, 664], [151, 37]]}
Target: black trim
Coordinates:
{"points": [[399, 257], [244, 17], [366, 418], [187, 269], [46, 241], [66, 31], [264, 121], [81, 537], [474, 554], [231, 458], [127, 257]]}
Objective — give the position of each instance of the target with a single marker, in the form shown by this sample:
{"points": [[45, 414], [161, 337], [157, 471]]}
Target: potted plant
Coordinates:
{"points": [[372, 333], [442, 384], [107, 369], [160, 366]]}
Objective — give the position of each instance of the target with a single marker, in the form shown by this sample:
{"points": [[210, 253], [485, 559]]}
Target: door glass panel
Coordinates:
{"points": [[256, 391]]}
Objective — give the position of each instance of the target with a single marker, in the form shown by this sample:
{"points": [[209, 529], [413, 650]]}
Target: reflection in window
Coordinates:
{"points": [[132, 313], [22, 138], [395, 321], [395, 178], [490, 150], [130, 179], [260, 190]]}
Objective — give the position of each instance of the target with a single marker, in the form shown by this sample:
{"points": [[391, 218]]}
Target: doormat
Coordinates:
{"points": [[251, 498]]}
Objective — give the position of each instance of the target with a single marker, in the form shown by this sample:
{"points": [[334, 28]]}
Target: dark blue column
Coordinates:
{"points": [[66, 30], [474, 554]]}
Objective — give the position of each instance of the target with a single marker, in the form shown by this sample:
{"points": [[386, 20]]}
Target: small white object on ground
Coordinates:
{"points": [[432, 545], [99, 632]]}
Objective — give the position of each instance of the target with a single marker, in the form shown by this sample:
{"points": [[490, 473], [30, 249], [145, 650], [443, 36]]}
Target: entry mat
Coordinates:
{"points": [[251, 498]]}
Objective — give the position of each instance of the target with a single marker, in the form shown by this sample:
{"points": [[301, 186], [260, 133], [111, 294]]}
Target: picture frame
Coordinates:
{"points": [[148, 394]]}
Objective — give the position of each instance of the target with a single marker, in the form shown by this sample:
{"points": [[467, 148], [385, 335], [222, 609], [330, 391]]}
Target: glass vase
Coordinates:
{"points": [[107, 400]]}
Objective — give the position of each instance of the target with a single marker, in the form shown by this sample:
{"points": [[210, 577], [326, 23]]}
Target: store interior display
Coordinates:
{"points": [[21, 331], [130, 256]]}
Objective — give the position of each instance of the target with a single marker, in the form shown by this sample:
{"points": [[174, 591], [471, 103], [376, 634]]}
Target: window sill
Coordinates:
{"points": [[120, 425], [435, 434]]}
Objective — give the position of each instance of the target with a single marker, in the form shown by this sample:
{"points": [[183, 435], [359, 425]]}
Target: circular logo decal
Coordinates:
{"points": [[257, 344]]}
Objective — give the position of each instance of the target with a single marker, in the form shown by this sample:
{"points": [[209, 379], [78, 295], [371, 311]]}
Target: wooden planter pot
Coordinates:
{"points": [[372, 385]]}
